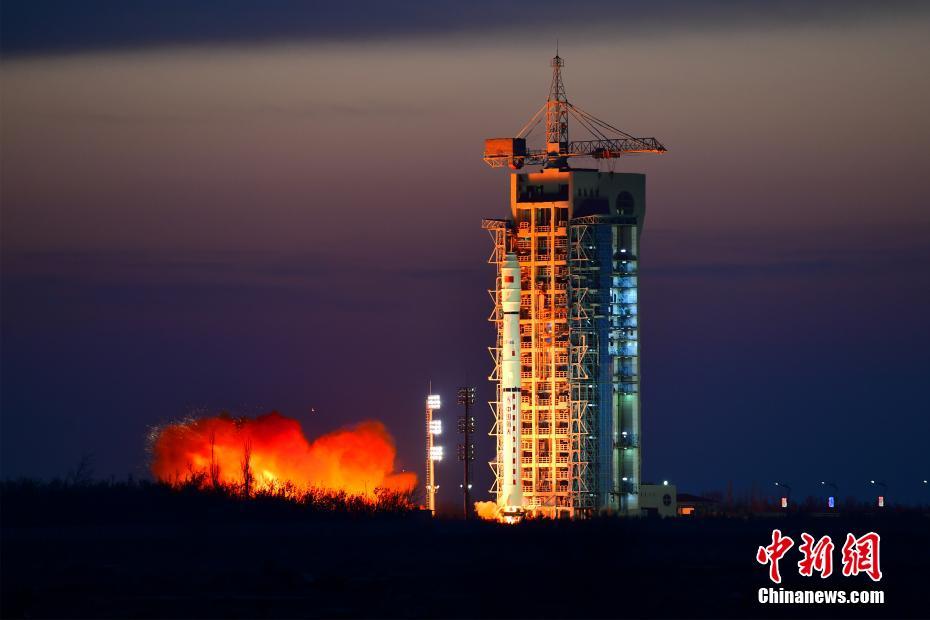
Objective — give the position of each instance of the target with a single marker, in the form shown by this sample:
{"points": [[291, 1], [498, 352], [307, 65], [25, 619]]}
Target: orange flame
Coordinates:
{"points": [[357, 459]]}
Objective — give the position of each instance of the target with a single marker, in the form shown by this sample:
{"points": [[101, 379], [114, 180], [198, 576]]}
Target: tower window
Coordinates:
{"points": [[625, 203]]}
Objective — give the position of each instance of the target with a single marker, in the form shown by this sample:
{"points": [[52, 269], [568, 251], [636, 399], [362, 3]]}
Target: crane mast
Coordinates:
{"points": [[607, 142], [557, 114]]}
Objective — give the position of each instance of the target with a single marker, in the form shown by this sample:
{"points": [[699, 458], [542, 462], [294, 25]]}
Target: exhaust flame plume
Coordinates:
{"points": [[272, 450]]}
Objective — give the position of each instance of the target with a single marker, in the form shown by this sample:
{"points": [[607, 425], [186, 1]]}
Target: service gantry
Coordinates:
{"points": [[575, 234]]}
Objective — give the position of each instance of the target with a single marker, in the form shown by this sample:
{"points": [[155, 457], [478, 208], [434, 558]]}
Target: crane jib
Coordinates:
{"points": [[608, 142]]}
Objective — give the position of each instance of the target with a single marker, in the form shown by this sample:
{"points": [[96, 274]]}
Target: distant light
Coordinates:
{"points": [[831, 502], [784, 502], [432, 401], [469, 486], [872, 481], [624, 478], [665, 483], [881, 501], [435, 453], [435, 427]]}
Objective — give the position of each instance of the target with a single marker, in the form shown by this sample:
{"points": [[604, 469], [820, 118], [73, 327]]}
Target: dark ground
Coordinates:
{"points": [[111, 554]]}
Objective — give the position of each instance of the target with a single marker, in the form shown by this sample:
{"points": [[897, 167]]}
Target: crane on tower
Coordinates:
{"points": [[607, 141]]}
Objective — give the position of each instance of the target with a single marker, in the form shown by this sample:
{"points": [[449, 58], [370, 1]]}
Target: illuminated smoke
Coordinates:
{"points": [[487, 510], [357, 459]]}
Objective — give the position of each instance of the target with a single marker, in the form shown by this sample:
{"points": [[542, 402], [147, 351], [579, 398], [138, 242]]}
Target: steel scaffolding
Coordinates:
{"points": [[583, 306], [603, 305], [500, 235], [579, 340], [550, 455]]}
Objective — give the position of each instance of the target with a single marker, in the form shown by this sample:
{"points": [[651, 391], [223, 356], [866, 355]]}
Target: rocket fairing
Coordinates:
{"points": [[510, 496]]}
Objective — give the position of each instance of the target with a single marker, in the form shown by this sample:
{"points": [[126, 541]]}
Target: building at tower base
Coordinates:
{"points": [[575, 235]]}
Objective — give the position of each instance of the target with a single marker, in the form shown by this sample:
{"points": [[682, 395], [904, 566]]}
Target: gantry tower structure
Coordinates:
{"points": [[575, 233]]}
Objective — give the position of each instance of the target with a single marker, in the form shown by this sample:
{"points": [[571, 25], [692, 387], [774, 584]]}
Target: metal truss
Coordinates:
{"points": [[585, 397], [499, 231]]}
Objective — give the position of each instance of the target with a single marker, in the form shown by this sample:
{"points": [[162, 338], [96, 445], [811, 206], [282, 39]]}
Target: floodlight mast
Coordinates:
{"points": [[433, 452], [608, 142], [466, 398]]}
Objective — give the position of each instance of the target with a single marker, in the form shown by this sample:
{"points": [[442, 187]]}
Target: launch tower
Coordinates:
{"points": [[573, 449]]}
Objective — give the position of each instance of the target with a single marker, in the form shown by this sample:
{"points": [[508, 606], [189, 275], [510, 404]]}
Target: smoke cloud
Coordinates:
{"points": [[274, 451], [487, 510]]}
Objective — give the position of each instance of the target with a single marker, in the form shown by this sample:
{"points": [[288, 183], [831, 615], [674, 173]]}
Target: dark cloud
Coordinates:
{"points": [[863, 262], [226, 268], [63, 26], [215, 114]]}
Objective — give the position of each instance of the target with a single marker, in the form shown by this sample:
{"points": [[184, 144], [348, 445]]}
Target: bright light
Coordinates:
{"points": [[831, 502], [435, 427], [881, 501], [665, 483], [432, 401], [435, 453], [871, 481], [784, 502], [625, 478]]}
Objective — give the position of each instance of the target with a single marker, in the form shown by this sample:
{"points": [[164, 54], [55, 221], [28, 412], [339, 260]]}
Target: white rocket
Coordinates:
{"points": [[510, 497]]}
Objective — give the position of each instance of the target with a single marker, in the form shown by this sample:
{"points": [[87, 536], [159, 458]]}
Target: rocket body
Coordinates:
{"points": [[510, 497]]}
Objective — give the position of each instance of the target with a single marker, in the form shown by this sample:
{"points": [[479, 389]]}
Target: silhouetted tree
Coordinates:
{"points": [[214, 466], [247, 475], [83, 473]]}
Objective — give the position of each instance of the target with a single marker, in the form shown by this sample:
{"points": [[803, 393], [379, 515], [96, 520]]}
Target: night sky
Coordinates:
{"points": [[253, 206]]}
